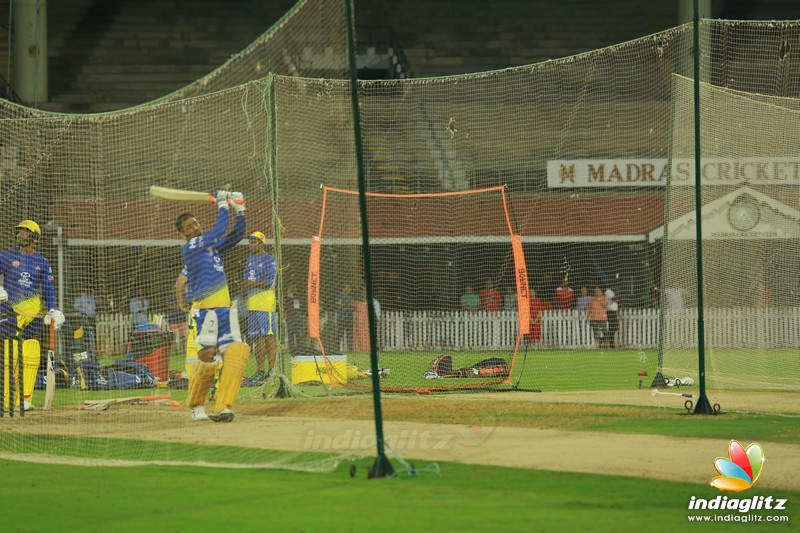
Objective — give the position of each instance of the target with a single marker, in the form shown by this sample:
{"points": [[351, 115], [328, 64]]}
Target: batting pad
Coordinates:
{"points": [[234, 362], [191, 348], [200, 382], [31, 355], [8, 373]]}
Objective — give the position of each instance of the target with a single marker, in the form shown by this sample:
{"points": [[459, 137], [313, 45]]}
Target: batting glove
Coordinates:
{"points": [[221, 198], [56, 317], [3, 295], [236, 200]]}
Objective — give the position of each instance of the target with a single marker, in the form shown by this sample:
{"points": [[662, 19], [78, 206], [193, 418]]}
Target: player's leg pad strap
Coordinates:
{"points": [[200, 382], [233, 364]]}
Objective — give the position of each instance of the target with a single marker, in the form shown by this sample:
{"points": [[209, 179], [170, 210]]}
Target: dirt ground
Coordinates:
{"points": [[527, 430]]}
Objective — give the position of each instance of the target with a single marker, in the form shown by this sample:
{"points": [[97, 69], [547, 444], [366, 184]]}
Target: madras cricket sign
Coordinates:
{"points": [[582, 173]]}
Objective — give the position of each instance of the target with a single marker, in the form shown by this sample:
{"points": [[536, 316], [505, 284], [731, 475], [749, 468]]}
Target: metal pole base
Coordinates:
{"points": [[380, 468], [703, 406], [658, 381]]}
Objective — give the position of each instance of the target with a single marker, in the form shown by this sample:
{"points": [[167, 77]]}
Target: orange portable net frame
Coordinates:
{"points": [[407, 219]]}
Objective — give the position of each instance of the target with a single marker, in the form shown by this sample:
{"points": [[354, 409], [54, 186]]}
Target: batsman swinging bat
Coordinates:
{"points": [[50, 385], [180, 195]]}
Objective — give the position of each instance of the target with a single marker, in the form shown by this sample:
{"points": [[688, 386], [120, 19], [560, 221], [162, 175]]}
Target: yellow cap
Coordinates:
{"points": [[260, 236], [31, 226]]}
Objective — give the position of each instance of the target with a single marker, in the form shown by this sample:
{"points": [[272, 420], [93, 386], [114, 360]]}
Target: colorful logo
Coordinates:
{"points": [[740, 470]]}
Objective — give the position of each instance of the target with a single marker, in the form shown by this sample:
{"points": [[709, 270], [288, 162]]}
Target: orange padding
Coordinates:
{"points": [[521, 275], [313, 288]]}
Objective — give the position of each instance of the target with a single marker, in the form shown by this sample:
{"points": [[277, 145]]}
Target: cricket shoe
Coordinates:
{"points": [[199, 413], [27, 404], [226, 415]]}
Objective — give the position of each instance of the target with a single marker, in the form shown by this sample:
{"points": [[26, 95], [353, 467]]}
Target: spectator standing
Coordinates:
{"points": [[563, 296], [582, 303], [86, 305], [598, 316], [140, 307], [612, 313], [491, 299], [536, 309], [469, 301]]}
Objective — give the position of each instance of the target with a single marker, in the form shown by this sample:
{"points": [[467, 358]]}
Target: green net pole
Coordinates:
{"points": [[271, 181], [703, 406], [382, 467]]}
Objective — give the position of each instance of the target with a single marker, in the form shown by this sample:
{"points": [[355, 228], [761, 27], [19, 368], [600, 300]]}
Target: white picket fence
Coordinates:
{"points": [[112, 332], [638, 328]]}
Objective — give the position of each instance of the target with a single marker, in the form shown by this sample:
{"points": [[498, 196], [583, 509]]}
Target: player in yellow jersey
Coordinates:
{"points": [[217, 331], [260, 276], [26, 294]]}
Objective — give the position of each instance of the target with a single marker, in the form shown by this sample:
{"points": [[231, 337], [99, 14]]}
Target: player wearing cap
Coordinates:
{"points": [[26, 293], [260, 275], [217, 327]]}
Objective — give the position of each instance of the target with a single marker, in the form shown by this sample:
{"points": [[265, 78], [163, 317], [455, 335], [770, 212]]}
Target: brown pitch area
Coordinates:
{"points": [[524, 430]]}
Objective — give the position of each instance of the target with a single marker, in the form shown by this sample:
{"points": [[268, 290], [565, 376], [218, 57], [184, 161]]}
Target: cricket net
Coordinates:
{"points": [[750, 240], [84, 179], [426, 313], [572, 156]]}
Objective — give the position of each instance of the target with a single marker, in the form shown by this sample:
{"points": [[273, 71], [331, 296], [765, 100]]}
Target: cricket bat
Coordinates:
{"points": [[181, 195], [102, 405], [50, 385]]}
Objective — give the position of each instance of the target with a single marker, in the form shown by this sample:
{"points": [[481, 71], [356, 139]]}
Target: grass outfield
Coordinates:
{"points": [[544, 370], [585, 370], [461, 498], [552, 369], [464, 497]]}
